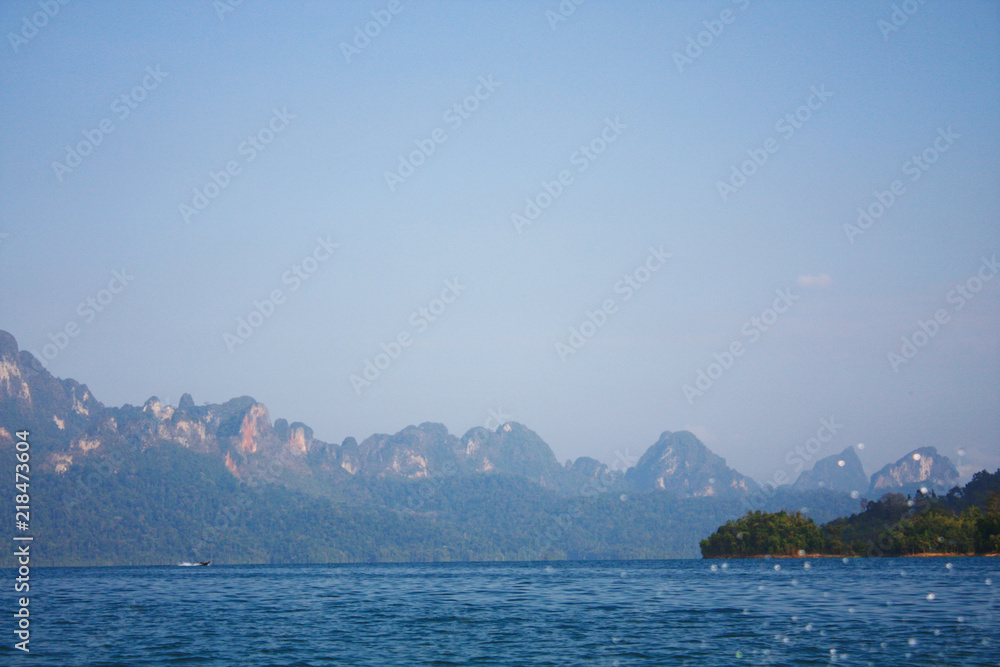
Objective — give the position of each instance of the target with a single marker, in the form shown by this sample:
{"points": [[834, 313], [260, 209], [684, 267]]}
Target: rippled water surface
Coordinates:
{"points": [[919, 611]]}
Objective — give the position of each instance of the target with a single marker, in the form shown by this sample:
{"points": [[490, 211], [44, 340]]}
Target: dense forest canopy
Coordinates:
{"points": [[965, 521]]}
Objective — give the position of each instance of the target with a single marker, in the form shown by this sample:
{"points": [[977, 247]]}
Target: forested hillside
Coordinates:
{"points": [[965, 521]]}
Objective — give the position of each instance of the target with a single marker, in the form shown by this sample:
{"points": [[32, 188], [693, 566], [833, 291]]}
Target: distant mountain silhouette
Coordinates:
{"points": [[135, 484], [922, 467], [679, 462], [839, 472]]}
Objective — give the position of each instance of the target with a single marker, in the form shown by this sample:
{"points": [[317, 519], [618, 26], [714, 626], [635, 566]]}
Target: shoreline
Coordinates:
{"points": [[928, 554]]}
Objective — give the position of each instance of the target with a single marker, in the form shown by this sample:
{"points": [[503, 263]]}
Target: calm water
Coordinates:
{"points": [[754, 612]]}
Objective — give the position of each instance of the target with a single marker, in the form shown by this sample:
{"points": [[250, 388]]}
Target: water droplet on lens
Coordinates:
{"points": [[842, 463], [739, 654], [931, 596], [809, 627], [725, 565], [924, 490], [623, 497], [843, 560], [948, 566], [916, 457], [960, 619], [713, 568], [777, 567], [989, 582], [937, 633], [961, 451], [806, 566], [912, 641], [861, 445], [802, 552], [855, 495]]}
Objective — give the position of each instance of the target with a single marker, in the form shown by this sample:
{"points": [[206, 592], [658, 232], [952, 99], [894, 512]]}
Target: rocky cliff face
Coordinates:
{"points": [[922, 467], [680, 463], [840, 472], [416, 452], [75, 429], [428, 450], [79, 430], [240, 433], [68, 419]]}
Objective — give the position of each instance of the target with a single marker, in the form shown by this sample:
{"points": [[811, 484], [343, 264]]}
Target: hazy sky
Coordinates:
{"points": [[217, 157]]}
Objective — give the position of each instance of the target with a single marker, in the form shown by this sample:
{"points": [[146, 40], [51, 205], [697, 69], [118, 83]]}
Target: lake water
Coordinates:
{"points": [[917, 611]]}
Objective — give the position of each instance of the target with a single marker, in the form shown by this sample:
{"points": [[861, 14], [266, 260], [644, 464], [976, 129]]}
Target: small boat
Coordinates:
{"points": [[200, 563]]}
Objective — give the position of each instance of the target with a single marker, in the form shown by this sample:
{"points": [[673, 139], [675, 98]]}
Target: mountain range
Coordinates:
{"points": [[81, 446]]}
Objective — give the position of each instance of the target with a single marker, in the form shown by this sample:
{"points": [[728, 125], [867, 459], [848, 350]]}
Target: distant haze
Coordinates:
{"points": [[747, 220]]}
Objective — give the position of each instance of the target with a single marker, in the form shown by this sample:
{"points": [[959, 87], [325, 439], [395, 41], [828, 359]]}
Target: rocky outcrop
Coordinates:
{"points": [[680, 463], [75, 429], [840, 472], [922, 468]]}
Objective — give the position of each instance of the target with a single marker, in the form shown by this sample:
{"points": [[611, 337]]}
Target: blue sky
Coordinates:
{"points": [[598, 99]]}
